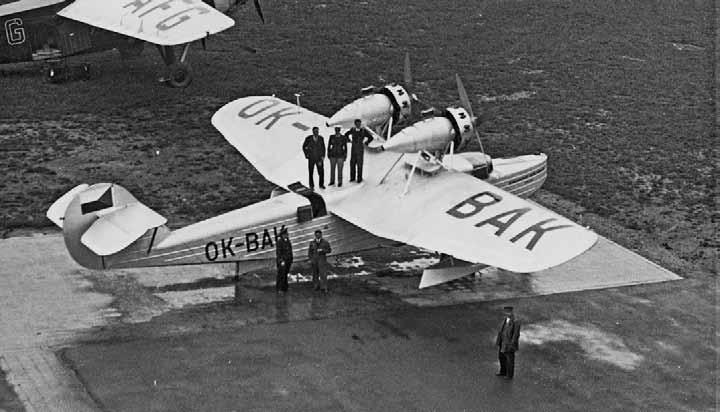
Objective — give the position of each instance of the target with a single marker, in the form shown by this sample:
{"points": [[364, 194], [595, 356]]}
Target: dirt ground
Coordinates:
{"points": [[620, 95]]}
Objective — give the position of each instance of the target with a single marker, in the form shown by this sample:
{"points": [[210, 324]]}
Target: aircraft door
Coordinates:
{"points": [[316, 208], [74, 37]]}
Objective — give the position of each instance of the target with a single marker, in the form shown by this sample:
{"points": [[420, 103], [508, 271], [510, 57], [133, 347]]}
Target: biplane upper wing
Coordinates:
{"points": [[162, 22], [450, 212]]}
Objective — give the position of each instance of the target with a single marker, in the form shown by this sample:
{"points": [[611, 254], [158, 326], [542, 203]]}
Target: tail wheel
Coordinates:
{"points": [[179, 75]]}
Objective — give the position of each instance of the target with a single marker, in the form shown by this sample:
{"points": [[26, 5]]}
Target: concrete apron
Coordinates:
{"points": [[45, 301]]}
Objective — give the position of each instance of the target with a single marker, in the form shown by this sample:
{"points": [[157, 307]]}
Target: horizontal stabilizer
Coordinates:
{"points": [[56, 212], [118, 228], [436, 276]]}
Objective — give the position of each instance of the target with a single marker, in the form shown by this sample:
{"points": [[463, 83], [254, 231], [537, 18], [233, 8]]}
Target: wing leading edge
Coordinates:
{"points": [[452, 213], [162, 22]]}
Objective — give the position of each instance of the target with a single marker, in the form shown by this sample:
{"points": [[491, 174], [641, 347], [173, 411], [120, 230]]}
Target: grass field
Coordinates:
{"points": [[618, 94]]}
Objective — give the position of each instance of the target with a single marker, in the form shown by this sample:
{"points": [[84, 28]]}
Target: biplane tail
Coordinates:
{"points": [[102, 220]]}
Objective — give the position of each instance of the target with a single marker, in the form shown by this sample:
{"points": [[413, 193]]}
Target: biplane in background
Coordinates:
{"points": [[443, 205], [51, 30]]}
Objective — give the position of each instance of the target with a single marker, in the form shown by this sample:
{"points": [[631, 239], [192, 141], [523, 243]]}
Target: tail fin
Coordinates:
{"points": [[101, 220]]}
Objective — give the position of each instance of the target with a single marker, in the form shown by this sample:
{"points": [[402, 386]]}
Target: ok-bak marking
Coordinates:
{"points": [[502, 221], [261, 106], [232, 246]]}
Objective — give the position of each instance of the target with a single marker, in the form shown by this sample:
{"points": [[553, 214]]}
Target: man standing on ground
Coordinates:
{"points": [[283, 250], [317, 252], [357, 136], [507, 341], [314, 149], [337, 153]]}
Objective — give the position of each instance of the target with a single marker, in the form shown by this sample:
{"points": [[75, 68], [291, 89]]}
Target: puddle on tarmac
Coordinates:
{"points": [[597, 344]]}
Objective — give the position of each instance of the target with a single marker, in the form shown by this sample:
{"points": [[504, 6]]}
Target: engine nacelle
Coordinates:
{"points": [[434, 133], [462, 123], [375, 109]]}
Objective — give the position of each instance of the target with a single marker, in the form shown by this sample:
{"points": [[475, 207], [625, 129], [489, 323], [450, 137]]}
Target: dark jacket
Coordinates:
{"points": [[318, 252], [314, 149], [283, 251], [337, 146], [357, 137], [509, 336]]}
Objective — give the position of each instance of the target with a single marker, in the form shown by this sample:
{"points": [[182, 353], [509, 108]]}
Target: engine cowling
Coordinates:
{"points": [[434, 133], [375, 109]]}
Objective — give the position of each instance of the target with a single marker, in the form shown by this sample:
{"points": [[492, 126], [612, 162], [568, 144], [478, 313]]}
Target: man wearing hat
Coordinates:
{"points": [[507, 341], [284, 259], [337, 153]]}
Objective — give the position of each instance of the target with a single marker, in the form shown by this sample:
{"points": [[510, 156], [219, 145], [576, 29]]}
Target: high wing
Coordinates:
{"points": [[162, 22], [452, 213], [20, 6]]}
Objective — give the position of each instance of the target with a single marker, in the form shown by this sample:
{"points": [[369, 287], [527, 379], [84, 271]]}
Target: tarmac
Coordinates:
{"points": [[186, 338]]}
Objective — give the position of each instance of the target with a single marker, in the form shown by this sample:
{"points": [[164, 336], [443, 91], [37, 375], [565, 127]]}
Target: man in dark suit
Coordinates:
{"points": [[507, 341], [358, 136], [317, 252], [314, 149], [284, 253], [337, 153]]}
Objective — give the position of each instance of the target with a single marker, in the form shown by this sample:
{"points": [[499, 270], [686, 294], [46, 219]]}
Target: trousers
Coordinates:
{"points": [[356, 166], [319, 272], [507, 363], [312, 164], [281, 281], [336, 162]]}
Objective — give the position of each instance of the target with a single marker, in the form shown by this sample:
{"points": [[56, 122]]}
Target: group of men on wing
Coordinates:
{"points": [[314, 149]]}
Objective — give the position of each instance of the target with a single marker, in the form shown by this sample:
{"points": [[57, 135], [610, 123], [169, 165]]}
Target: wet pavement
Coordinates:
{"points": [[188, 338]]}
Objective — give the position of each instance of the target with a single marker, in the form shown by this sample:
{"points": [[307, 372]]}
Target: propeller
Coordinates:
{"points": [[465, 102], [407, 75], [259, 10], [409, 86]]}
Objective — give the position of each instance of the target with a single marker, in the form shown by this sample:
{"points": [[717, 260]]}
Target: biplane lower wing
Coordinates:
{"points": [[162, 22], [450, 212]]}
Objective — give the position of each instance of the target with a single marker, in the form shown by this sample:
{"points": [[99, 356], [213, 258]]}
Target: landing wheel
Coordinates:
{"points": [[85, 71], [56, 74], [179, 75]]}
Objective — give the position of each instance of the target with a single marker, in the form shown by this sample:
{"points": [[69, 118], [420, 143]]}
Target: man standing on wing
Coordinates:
{"points": [[314, 149], [357, 136], [337, 153]]}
